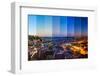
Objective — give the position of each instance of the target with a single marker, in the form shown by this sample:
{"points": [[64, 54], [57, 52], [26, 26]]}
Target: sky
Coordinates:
{"points": [[57, 26]]}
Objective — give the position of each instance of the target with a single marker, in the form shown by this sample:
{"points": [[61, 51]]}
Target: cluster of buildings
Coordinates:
{"points": [[39, 49]]}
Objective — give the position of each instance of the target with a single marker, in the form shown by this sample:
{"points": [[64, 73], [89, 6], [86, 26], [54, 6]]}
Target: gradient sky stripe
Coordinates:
{"points": [[77, 26], [84, 23], [63, 26], [48, 26], [56, 26], [70, 26], [32, 24], [40, 25]]}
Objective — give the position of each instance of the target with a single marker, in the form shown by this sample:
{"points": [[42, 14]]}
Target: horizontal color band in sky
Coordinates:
{"points": [[57, 26]]}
